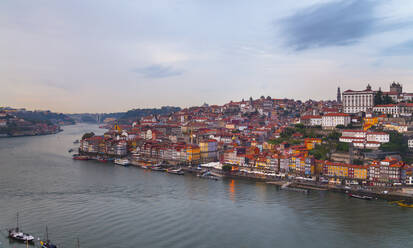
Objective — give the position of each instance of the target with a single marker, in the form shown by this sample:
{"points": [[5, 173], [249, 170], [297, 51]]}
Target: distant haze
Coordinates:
{"points": [[110, 56]]}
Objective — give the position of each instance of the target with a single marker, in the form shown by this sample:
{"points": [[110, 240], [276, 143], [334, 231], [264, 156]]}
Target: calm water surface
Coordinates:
{"points": [[112, 206]]}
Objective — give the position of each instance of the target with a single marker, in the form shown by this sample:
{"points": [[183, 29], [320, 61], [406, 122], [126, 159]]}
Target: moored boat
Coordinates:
{"points": [[103, 160], [363, 197], [18, 235], [157, 168], [405, 205], [80, 157], [47, 243], [123, 162], [176, 171], [208, 175]]}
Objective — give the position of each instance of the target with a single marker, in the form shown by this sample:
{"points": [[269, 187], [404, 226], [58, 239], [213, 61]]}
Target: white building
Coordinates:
{"points": [[381, 137], [363, 139], [358, 101], [368, 145], [388, 109], [331, 120], [410, 143], [311, 120]]}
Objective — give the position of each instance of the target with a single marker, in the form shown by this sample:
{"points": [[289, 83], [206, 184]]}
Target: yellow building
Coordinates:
{"points": [[348, 171], [360, 172], [369, 122], [337, 169], [311, 142], [193, 153]]}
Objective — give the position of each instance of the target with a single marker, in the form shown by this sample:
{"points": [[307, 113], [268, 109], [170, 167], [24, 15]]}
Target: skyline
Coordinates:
{"points": [[112, 57]]}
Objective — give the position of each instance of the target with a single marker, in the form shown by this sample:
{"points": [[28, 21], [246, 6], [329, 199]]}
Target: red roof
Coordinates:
{"points": [[347, 137], [377, 133], [336, 114], [353, 131], [386, 105], [307, 117]]}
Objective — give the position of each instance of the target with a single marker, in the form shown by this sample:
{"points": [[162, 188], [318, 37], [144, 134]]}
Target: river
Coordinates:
{"points": [[112, 206]]}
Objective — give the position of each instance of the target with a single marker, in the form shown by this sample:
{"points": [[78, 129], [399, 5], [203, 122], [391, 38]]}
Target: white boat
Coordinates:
{"points": [[18, 235], [123, 162]]}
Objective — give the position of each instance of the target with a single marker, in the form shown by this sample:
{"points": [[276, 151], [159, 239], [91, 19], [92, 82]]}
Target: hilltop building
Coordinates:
{"points": [[358, 101], [364, 101]]}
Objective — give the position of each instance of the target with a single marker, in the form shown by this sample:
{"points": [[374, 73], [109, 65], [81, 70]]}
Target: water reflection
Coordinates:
{"points": [[232, 190]]}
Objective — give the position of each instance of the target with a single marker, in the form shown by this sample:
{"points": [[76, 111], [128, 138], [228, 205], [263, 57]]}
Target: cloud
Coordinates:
{"points": [[401, 49], [157, 71], [338, 23]]}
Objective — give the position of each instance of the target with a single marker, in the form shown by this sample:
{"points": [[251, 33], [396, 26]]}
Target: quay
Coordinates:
{"points": [[294, 185]]}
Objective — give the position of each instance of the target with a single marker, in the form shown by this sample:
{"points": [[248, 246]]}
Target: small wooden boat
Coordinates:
{"points": [[363, 197]]}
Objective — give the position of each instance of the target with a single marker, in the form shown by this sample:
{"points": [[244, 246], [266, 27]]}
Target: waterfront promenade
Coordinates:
{"points": [[384, 193]]}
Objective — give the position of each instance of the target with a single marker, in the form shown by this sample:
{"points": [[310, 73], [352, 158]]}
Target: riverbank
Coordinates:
{"points": [[387, 195], [29, 134]]}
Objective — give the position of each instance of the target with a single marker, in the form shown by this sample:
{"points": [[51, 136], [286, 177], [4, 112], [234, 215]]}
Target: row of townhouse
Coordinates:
{"points": [[102, 145], [388, 172], [347, 173], [301, 165], [209, 150], [169, 152]]}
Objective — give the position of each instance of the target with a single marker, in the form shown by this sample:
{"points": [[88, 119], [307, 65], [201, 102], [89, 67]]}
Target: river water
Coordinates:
{"points": [[112, 206]]}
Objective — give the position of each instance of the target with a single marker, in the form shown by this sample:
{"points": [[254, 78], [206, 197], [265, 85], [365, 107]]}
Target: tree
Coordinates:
{"points": [[300, 126], [334, 136], [88, 135], [358, 162], [396, 144], [378, 98], [387, 99], [343, 147], [320, 152], [227, 168]]}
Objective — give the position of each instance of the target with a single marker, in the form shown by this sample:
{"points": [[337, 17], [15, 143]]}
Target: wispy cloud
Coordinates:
{"points": [[338, 23], [401, 49], [157, 71]]}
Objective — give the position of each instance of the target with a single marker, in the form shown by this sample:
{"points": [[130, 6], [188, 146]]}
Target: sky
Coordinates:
{"points": [[113, 55]]}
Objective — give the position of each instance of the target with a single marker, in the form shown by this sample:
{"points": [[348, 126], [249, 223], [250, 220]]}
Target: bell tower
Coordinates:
{"points": [[338, 95]]}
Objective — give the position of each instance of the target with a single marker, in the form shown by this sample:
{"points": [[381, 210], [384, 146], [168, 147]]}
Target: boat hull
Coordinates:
{"points": [[362, 197]]}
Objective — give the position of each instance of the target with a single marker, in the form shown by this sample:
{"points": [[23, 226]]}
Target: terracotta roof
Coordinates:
{"points": [[336, 114], [307, 117]]}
